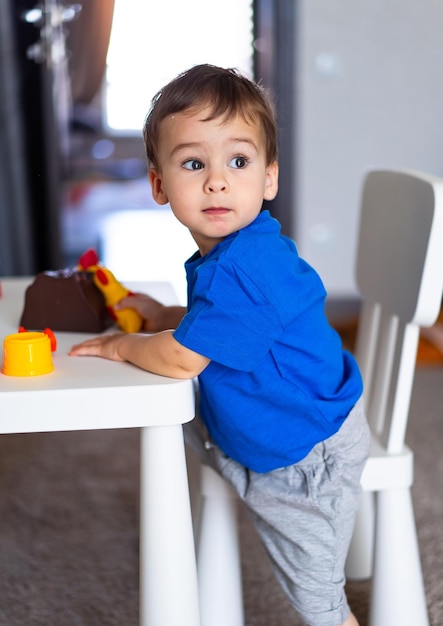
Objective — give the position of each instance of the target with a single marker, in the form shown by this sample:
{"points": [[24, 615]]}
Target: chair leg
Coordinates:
{"points": [[359, 563], [218, 554], [398, 597]]}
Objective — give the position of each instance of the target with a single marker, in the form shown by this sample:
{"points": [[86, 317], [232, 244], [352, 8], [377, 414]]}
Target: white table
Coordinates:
{"points": [[92, 393]]}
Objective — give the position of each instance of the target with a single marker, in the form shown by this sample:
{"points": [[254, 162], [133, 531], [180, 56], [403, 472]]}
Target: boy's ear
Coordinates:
{"points": [[156, 181], [271, 183]]}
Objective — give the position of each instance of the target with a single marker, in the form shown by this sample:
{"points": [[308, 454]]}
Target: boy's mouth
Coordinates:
{"points": [[216, 210]]}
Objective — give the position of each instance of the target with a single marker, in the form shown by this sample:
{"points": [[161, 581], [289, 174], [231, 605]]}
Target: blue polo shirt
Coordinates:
{"points": [[278, 381]]}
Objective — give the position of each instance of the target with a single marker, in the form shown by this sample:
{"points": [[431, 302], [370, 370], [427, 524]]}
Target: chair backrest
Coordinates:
{"points": [[400, 278]]}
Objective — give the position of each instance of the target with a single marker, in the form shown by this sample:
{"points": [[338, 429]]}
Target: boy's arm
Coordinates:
{"points": [[160, 353]]}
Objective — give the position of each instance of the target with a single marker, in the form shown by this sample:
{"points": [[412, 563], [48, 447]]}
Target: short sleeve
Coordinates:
{"points": [[231, 321]]}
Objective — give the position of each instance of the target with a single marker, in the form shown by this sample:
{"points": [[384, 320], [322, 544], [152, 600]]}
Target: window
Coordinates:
{"points": [[152, 41]]}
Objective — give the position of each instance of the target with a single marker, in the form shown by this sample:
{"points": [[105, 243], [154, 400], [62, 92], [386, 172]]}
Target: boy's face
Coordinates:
{"points": [[213, 173]]}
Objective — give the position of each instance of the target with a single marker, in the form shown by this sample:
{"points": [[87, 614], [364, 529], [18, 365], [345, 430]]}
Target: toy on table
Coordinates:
{"points": [[113, 291], [29, 353], [65, 300]]}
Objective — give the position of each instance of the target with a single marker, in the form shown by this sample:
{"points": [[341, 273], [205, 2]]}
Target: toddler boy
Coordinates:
{"points": [[280, 400]]}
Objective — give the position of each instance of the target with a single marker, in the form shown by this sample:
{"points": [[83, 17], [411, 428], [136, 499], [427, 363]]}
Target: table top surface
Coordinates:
{"points": [[86, 392]]}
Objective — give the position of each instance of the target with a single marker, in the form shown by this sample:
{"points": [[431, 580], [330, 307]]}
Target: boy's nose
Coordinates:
{"points": [[215, 182]]}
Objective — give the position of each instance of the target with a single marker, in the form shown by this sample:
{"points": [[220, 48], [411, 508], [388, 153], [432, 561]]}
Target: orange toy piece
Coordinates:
{"points": [[113, 291]]}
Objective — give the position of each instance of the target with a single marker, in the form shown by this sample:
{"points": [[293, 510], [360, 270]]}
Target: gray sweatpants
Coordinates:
{"points": [[304, 513]]}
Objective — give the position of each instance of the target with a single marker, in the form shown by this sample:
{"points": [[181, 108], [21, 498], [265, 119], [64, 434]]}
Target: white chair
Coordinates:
{"points": [[400, 276]]}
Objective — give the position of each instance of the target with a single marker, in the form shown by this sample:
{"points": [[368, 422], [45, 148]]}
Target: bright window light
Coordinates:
{"points": [[152, 42]]}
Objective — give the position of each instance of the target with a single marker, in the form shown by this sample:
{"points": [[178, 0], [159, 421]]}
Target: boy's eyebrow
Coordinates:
{"points": [[247, 140], [183, 146]]}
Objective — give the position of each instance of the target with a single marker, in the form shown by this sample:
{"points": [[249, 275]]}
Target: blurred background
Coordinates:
{"points": [[356, 85]]}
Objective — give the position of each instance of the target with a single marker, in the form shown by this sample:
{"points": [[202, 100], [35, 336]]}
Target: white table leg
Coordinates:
{"points": [[168, 572]]}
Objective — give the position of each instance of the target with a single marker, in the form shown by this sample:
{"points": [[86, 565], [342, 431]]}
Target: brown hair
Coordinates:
{"points": [[228, 92]]}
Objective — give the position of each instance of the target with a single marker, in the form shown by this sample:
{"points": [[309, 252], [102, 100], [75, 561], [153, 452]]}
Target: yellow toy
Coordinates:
{"points": [[29, 353], [113, 291]]}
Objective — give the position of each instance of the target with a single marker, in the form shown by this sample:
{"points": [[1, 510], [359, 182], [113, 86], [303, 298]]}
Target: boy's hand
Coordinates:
{"points": [[105, 346], [156, 316]]}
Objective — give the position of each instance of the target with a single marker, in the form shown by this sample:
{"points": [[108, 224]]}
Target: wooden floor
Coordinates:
{"points": [[430, 348]]}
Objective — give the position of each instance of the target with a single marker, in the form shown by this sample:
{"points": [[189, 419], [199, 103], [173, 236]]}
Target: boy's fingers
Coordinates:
{"points": [[86, 347]]}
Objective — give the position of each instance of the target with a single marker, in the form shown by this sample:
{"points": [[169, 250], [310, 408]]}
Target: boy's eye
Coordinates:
{"points": [[238, 162], [193, 164]]}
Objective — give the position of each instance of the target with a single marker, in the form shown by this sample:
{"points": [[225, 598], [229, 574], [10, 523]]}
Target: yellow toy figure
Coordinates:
{"points": [[113, 291]]}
